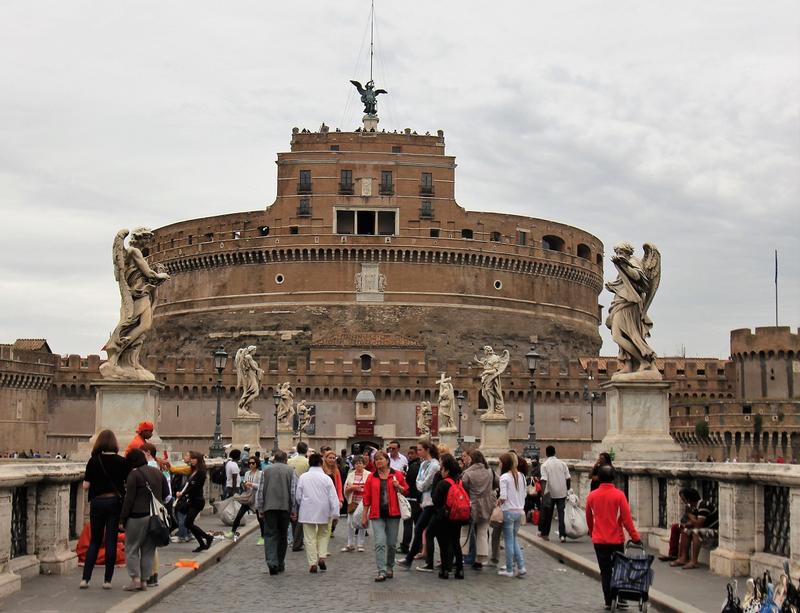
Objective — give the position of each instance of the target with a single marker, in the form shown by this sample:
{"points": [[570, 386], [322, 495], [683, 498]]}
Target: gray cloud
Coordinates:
{"points": [[673, 123]]}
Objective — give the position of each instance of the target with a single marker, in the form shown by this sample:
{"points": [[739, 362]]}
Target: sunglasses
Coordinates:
{"points": [[252, 463]]}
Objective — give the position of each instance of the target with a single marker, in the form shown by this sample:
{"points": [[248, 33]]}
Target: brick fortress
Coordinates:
{"points": [[365, 275]]}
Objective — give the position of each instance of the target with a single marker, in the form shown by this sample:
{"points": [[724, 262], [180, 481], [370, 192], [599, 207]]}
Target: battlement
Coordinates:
{"points": [[767, 340], [406, 141]]}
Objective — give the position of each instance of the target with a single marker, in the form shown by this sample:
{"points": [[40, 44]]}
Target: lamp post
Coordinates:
{"points": [[216, 450], [531, 450], [591, 396], [276, 398], [460, 439]]}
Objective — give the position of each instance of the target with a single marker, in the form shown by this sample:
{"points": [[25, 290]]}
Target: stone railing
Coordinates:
{"points": [[43, 508], [757, 504]]}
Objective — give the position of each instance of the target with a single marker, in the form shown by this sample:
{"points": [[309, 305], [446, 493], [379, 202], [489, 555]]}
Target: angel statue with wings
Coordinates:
{"points": [[304, 417], [248, 377], [447, 409], [137, 284], [493, 366], [285, 405], [627, 319], [425, 419], [369, 96]]}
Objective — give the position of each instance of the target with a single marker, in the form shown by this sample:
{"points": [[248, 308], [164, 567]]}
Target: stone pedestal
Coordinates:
{"points": [[370, 123], [494, 435], [120, 406], [737, 529], [449, 438], [285, 439], [638, 423], [246, 431]]}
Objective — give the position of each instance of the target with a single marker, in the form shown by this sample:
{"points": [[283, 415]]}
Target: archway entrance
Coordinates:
{"points": [[361, 443]]}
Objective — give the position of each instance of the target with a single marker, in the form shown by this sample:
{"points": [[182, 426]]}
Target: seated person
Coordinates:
{"points": [[677, 529], [700, 528]]}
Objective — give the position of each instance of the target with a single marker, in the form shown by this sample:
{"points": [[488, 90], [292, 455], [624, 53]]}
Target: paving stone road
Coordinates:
{"points": [[238, 583]]}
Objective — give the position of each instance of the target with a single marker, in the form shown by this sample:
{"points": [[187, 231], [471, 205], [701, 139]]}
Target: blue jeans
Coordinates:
{"points": [[183, 531], [511, 522], [384, 531]]}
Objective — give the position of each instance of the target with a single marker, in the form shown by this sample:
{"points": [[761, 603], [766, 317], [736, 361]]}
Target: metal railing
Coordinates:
{"points": [[777, 516], [662, 502], [304, 188], [19, 522]]}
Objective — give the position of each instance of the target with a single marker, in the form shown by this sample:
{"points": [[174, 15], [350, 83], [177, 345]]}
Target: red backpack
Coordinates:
{"points": [[457, 504]]}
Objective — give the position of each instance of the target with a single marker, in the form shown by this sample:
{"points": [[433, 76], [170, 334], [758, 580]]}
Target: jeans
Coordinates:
{"points": [[384, 531], [238, 519], [355, 533], [511, 522], [547, 517], [180, 518], [276, 530], [104, 520], [425, 517], [605, 560]]}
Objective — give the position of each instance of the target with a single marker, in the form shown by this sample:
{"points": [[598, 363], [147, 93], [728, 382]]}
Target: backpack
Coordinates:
{"points": [[457, 505], [218, 474]]}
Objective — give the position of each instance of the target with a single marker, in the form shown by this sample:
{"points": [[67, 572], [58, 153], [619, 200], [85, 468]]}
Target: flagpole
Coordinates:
{"points": [[776, 288]]}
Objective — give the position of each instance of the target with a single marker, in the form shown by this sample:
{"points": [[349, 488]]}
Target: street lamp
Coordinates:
{"points": [[276, 398], [217, 450], [591, 396], [460, 439], [531, 450]]}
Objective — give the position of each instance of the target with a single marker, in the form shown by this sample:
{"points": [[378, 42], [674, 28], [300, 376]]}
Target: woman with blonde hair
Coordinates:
{"points": [[512, 503], [104, 477]]}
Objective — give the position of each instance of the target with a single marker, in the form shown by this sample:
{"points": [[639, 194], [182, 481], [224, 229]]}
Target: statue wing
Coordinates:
{"points": [[502, 364], [118, 259], [380, 91], [358, 86], [651, 264], [237, 362]]}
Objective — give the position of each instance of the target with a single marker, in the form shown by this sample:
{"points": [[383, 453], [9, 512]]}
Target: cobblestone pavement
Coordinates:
{"points": [[239, 583]]}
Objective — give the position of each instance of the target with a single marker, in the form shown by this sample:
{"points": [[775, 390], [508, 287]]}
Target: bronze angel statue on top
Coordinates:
{"points": [[369, 96], [627, 319], [137, 287]]}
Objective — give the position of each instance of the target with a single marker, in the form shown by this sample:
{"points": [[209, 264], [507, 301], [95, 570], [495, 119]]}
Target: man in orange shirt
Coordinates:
{"points": [[144, 431], [607, 512]]}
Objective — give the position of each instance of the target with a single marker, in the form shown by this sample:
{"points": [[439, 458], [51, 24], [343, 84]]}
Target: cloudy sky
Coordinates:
{"points": [[676, 123]]}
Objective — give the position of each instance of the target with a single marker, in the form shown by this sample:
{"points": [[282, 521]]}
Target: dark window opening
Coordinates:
{"points": [[397, 149], [189, 238], [366, 362], [386, 223], [264, 230], [334, 147], [466, 233], [599, 259], [304, 186], [706, 410], [426, 209], [294, 230], [701, 372], [434, 232], [522, 238], [236, 234], [171, 243], [365, 222], [346, 182], [495, 237], [210, 237], [584, 252], [426, 183], [553, 243], [387, 186], [304, 208], [346, 222], [747, 409]]}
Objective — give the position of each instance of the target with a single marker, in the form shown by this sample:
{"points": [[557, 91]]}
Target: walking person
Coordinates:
{"points": [[413, 498], [247, 499], [142, 483], [330, 467], [354, 493], [232, 473], [603, 459], [191, 501], [274, 503], [299, 462], [607, 512], [104, 478], [382, 510], [429, 468], [480, 482], [316, 505], [512, 503], [448, 531], [180, 476], [555, 484]]}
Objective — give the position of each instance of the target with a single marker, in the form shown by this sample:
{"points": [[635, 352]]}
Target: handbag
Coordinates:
{"points": [[405, 506], [733, 603], [158, 523], [351, 507], [246, 498], [496, 518]]}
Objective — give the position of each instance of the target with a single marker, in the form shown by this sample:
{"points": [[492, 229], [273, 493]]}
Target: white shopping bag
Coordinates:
{"points": [[574, 517]]}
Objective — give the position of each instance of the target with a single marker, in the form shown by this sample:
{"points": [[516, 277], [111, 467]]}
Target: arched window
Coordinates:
{"points": [[466, 233], [584, 252], [552, 243], [366, 362], [495, 237]]}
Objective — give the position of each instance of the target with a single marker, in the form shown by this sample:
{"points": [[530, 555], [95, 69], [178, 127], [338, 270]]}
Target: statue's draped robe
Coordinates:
{"points": [[626, 310]]}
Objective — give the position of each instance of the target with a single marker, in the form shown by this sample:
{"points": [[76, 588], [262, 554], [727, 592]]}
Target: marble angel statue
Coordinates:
{"points": [[286, 405], [425, 419], [447, 409], [493, 366], [248, 378]]}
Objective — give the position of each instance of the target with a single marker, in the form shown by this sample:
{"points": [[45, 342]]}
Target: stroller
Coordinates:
{"points": [[632, 576]]}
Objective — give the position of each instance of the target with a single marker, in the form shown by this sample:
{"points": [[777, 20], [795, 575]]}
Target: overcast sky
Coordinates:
{"points": [[675, 123]]}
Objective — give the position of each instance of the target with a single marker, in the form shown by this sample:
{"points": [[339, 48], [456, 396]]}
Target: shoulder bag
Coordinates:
{"points": [[404, 504], [158, 524], [732, 603], [496, 518]]}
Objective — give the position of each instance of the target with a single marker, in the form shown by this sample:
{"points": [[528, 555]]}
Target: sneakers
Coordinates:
{"points": [[229, 535], [401, 563], [83, 585], [563, 539], [505, 573], [425, 569], [107, 585], [347, 549], [260, 540], [361, 549], [522, 572]]}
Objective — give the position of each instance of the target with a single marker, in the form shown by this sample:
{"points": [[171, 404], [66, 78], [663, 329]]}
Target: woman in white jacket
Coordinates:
{"points": [[353, 493], [316, 504], [512, 503]]}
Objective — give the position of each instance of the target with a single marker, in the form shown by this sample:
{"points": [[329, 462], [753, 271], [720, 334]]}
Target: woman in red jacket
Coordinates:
{"points": [[382, 507]]}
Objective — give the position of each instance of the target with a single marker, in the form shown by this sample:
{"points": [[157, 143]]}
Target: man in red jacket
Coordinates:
{"points": [[607, 511]]}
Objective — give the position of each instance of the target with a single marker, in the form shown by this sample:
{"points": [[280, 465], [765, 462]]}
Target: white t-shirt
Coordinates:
{"points": [[400, 463], [556, 473], [512, 493], [231, 470]]}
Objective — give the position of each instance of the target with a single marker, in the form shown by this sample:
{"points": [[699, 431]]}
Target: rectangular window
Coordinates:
{"points": [[466, 233], [294, 230], [522, 238], [345, 222], [426, 209], [386, 223], [434, 232], [365, 223], [346, 182], [397, 149], [210, 237], [387, 187], [747, 409], [304, 186], [334, 147], [426, 183], [304, 209]]}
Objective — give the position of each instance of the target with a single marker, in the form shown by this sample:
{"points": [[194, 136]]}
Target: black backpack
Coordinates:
{"points": [[218, 474]]}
